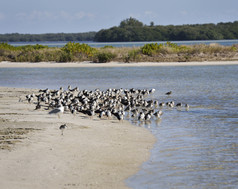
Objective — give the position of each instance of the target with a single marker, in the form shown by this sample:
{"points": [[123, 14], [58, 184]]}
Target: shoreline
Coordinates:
{"points": [[110, 64], [92, 153]]}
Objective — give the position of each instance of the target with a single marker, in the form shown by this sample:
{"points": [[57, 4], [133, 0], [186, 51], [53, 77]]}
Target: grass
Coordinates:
{"points": [[75, 52]]}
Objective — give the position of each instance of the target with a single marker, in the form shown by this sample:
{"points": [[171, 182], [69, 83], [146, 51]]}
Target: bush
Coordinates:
{"points": [[38, 58], [132, 55], [65, 57], [148, 49], [107, 47], [75, 48], [6, 46], [104, 57], [31, 47]]}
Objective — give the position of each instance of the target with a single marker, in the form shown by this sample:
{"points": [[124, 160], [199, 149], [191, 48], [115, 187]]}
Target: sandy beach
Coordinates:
{"points": [[92, 153], [111, 64]]}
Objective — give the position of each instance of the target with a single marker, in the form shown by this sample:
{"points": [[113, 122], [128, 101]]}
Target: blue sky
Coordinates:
{"points": [[72, 16]]}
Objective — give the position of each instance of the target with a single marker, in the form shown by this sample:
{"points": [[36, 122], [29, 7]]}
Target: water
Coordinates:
{"points": [[126, 44], [194, 149]]}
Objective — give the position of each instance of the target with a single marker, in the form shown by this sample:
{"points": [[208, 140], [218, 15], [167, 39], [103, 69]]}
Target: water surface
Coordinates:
{"points": [[126, 44]]}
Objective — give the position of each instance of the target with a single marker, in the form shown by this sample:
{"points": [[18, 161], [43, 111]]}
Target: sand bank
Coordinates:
{"points": [[111, 64], [92, 153]]}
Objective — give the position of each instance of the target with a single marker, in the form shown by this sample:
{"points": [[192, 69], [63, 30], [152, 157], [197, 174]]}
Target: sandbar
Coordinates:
{"points": [[92, 153], [110, 64]]}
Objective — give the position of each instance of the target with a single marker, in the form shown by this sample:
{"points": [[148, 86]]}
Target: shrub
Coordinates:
{"points": [[38, 58], [31, 47], [104, 57], [148, 49], [75, 48], [132, 55], [65, 57], [107, 47], [6, 46]]}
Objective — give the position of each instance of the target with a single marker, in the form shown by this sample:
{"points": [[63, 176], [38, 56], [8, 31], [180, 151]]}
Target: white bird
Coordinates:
{"points": [[57, 111], [141, 116]]}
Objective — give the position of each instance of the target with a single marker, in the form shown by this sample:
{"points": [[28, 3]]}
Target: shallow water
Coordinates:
{"points": [[197, 148], [126, 44]]}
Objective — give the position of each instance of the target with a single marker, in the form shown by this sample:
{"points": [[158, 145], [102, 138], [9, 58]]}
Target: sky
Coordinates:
{"points": [[76, 16]]}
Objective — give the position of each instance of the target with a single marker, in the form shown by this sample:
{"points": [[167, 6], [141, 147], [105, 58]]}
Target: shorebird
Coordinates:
{"points": [[179, 104], [108, 114], [187, 107], [104, 103], [158, 114], [62, 128], [162, 104], [141, 116], [38, 106], [169, 93], [57, 111], [147, 117], [152, 91]]}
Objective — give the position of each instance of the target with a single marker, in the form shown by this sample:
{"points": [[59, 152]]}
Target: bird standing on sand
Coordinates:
{"points": [[62, 128], [38, 106], [57, 111]]}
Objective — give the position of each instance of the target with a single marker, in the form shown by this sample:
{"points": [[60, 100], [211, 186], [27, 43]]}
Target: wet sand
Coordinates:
{"points": [[92, 153], [110, 64]]}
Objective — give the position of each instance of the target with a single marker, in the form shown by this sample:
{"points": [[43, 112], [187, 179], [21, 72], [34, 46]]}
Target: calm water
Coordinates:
{"points": [[196, 148], [127, 44]]}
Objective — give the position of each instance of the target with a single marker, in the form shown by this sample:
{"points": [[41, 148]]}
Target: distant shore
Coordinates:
{"points": [[110, 64], [92, 153]]}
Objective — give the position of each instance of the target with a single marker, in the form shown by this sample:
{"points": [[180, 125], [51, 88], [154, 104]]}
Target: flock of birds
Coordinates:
{"points": [[110, 103]]}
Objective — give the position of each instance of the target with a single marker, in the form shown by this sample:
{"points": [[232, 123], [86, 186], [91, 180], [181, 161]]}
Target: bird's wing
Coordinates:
{"points": [[55, 111]]}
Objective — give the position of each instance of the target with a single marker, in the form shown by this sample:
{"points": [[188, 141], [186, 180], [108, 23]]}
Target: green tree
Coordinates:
{"points": [[130, 22]]}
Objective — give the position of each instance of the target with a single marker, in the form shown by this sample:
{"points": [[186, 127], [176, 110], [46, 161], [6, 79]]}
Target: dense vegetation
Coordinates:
{"points": [[134, 30], [76, 52], [16, 37]]}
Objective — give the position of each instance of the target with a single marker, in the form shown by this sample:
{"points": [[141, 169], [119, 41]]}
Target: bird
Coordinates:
{"points": [[62, 128], [158, 114], [121, 103], [102, 114], [152, 91], [161, 104], [169, 93], [141, 116], [38, 106], [57, 111], [108, 114], [179, 104], [187, 106]]}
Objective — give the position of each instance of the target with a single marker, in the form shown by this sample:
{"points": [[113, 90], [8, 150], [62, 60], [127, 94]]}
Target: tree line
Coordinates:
{"points": [[16, 37], [133, 30]]}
